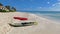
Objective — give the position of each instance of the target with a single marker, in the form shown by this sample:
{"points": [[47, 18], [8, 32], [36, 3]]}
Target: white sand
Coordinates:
{"points": [[44, 26]]}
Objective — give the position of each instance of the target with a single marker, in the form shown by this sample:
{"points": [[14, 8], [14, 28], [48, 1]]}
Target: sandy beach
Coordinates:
{"points": [[44, 26]]}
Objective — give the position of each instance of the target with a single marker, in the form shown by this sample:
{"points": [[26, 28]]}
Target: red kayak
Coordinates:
{"points": [[20, 18]]}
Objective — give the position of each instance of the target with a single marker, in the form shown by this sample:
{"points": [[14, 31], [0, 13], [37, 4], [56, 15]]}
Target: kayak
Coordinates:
{"points": [[20, 18], [22, 24]]}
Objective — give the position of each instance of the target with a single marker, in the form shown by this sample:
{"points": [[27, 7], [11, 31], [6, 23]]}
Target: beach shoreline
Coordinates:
{"points": [[44, 26]]}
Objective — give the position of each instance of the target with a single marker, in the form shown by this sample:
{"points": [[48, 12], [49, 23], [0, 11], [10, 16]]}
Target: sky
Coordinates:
{"points": [[33, 5]]}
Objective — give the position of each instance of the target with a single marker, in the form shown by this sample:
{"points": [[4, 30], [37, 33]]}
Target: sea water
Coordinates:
{"points": [[52, 15]]}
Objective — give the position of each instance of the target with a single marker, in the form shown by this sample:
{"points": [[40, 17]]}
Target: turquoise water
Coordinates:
{"points": [[53, 15]]}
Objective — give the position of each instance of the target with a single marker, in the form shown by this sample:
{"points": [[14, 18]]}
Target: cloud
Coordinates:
{"points": [[48, 2], [54, 7], [58, 0]]}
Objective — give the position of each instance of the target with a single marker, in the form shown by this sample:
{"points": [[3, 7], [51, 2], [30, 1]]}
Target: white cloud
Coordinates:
{"points": [[58, 0], [55, 7], [48, 2], [39, 7], [58, 3]]}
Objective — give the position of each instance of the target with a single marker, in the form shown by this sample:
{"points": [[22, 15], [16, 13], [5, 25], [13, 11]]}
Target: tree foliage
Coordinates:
{"points": [[1, 4], [8, 7], [11, 9]]}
